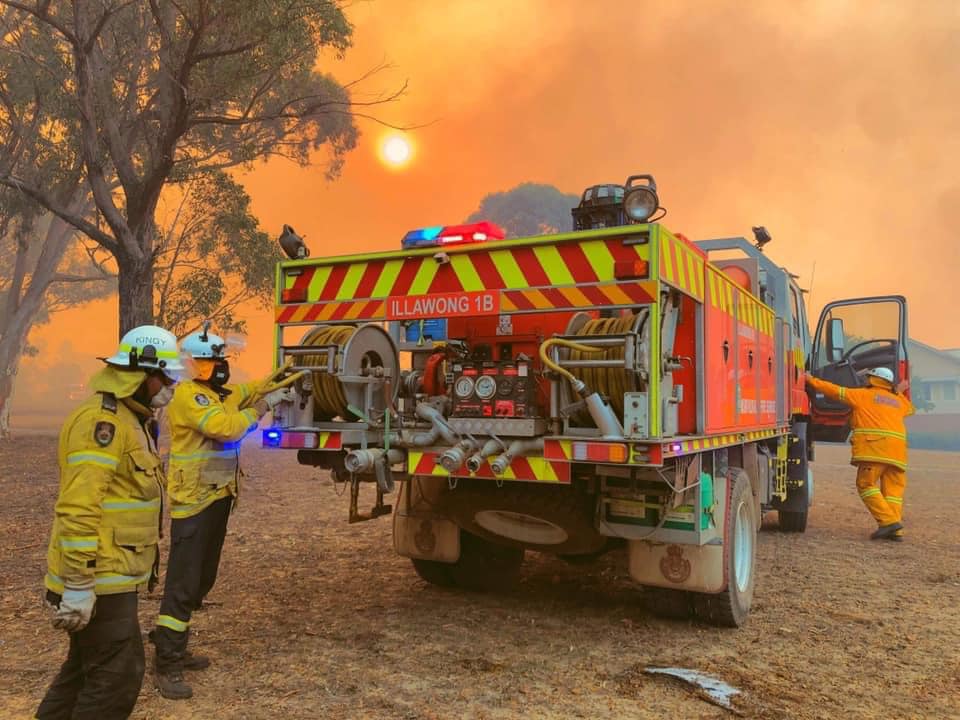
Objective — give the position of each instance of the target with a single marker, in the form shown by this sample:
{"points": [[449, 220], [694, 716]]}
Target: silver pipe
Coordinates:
{"points": [[452, 459], [475, 462], [364, 461], [517, 448], [605, 418]]}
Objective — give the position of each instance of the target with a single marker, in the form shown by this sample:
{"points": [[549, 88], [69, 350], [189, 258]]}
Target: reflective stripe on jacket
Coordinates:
{"points": [[107, 514], [205, 436], [879, 433]]}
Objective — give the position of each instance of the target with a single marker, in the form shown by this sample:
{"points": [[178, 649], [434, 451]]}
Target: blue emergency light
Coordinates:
{"points": [[453, 234], [423, 237], [271, 438]]}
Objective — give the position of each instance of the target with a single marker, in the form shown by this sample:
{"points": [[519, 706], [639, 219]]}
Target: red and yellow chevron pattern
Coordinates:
{"points": [[610, 294], [330, 441], [508, 265], [681, 264], [529, 469]]}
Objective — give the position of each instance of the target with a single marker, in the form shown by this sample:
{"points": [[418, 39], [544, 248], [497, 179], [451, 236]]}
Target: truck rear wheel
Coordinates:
{"points": [[668, 603], [485, 566], [731, 607], [435, 573], [548, 518]]}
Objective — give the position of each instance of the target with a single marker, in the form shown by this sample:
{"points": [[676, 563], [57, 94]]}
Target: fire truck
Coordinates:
{"points": [[615, 386]]}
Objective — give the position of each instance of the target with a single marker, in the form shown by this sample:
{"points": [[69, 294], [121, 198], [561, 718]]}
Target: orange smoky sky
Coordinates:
{"points": [[834, 124]]}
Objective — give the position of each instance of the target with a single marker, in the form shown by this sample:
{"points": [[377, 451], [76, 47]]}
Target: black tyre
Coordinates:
{"points": [[435, 573], [547, 518], [731, 607], [668, 603], [485, 566]]}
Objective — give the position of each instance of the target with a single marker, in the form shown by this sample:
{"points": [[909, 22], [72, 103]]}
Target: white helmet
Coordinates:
{"points": [[882, 373], [203, 344], [148, 347]]}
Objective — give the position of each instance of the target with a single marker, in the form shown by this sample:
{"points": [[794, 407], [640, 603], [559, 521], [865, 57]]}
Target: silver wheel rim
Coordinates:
{"points": [[521, 527], [742, 547]]}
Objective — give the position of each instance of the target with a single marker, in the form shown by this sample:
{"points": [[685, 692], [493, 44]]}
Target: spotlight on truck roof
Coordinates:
{"points": [[640, 199], [610, 205]]}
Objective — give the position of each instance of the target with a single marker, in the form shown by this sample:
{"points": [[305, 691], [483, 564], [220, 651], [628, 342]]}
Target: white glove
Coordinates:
{"points": [[76, 609], [278, 396]]}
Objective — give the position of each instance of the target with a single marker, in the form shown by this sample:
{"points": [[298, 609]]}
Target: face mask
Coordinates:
{"points": [[163, 397], [221, 373]]}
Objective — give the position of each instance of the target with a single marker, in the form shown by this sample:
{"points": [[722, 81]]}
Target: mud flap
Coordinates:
{"points": [[684, 567], [418, 531]]}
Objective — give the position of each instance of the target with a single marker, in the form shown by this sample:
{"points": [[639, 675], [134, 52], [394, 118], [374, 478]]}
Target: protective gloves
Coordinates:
{"points": [[272, 399], [278, 396], [76, 607]]}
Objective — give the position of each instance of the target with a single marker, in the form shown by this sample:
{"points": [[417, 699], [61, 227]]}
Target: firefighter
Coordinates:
{"points": [[879, 443], [103, 546], [207, 425]]}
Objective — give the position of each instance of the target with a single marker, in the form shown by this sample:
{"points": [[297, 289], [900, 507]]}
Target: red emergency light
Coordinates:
{"points": [[474, 232]]}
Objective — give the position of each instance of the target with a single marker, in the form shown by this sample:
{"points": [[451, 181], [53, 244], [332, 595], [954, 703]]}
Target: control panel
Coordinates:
{"points": [[494, 389]]}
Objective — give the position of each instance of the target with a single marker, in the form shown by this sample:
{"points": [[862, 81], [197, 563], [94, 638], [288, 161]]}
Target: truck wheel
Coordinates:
{"points": [[485, 566], [668, 603], [730, 607], [547, 518], [435, 573]]}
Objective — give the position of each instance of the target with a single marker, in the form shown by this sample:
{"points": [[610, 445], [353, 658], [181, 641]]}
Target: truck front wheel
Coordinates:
{"points": [[731, 607]]}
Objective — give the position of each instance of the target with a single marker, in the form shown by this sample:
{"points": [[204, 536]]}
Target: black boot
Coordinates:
{"points": [[886, 531], [172, 686], [195, 662]]}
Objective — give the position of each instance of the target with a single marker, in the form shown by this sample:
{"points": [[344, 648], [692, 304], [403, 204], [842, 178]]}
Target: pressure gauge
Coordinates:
{"points": [[464, 387], [486, 387]]}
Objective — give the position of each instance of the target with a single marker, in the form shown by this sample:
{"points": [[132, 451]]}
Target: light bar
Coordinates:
{"points": [[453, 234]]}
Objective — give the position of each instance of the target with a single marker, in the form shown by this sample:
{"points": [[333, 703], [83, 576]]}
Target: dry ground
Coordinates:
{"points": [[314, 618]]}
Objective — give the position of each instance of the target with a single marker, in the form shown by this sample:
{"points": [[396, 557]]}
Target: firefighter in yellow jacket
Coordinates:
{"points": [[103, 547], [879, 443], [207, 426]]}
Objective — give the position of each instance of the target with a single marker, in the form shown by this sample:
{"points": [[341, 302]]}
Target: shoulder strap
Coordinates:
{"points": [[108, 402]]}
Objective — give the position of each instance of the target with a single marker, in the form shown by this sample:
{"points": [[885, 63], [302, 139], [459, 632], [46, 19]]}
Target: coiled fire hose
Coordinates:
{"points": [[329, 400], [611, 382]]}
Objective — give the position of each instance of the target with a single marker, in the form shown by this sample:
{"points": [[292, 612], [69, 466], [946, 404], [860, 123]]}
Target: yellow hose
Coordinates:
{"points": [[329, 400], [267, 385], [569, 344], [611, 382]]}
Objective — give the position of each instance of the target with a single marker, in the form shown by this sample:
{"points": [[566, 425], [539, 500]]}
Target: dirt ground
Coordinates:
{"points": [[315, 618]]}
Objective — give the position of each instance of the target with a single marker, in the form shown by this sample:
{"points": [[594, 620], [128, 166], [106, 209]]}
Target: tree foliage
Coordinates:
{"points": [[135, 94], [214, 258], [528, 209]]}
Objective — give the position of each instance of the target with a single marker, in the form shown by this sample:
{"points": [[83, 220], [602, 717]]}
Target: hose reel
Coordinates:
{"points": [[354, 371], [612, 382]]}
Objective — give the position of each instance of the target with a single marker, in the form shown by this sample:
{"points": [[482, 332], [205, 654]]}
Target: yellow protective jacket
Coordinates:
{"points": [[107, 515], [205, 436], [879, 434]]}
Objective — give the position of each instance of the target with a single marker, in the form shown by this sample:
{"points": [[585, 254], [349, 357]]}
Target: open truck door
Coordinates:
{"points": [[853, 336]]}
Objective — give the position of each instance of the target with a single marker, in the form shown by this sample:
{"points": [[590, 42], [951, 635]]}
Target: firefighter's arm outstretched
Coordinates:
{"points": [[219, 421], [830, 390]]}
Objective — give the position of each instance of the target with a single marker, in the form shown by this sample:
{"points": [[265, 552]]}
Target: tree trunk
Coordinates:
{"points": [[135, 284], [9, 364], [11, 350]]}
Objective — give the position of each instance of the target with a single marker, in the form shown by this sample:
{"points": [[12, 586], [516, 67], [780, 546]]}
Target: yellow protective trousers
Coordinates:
{"points": [[881, 488]]}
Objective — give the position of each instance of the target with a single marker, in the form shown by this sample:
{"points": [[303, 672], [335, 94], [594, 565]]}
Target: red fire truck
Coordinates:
{"points": [[618, 385]]}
